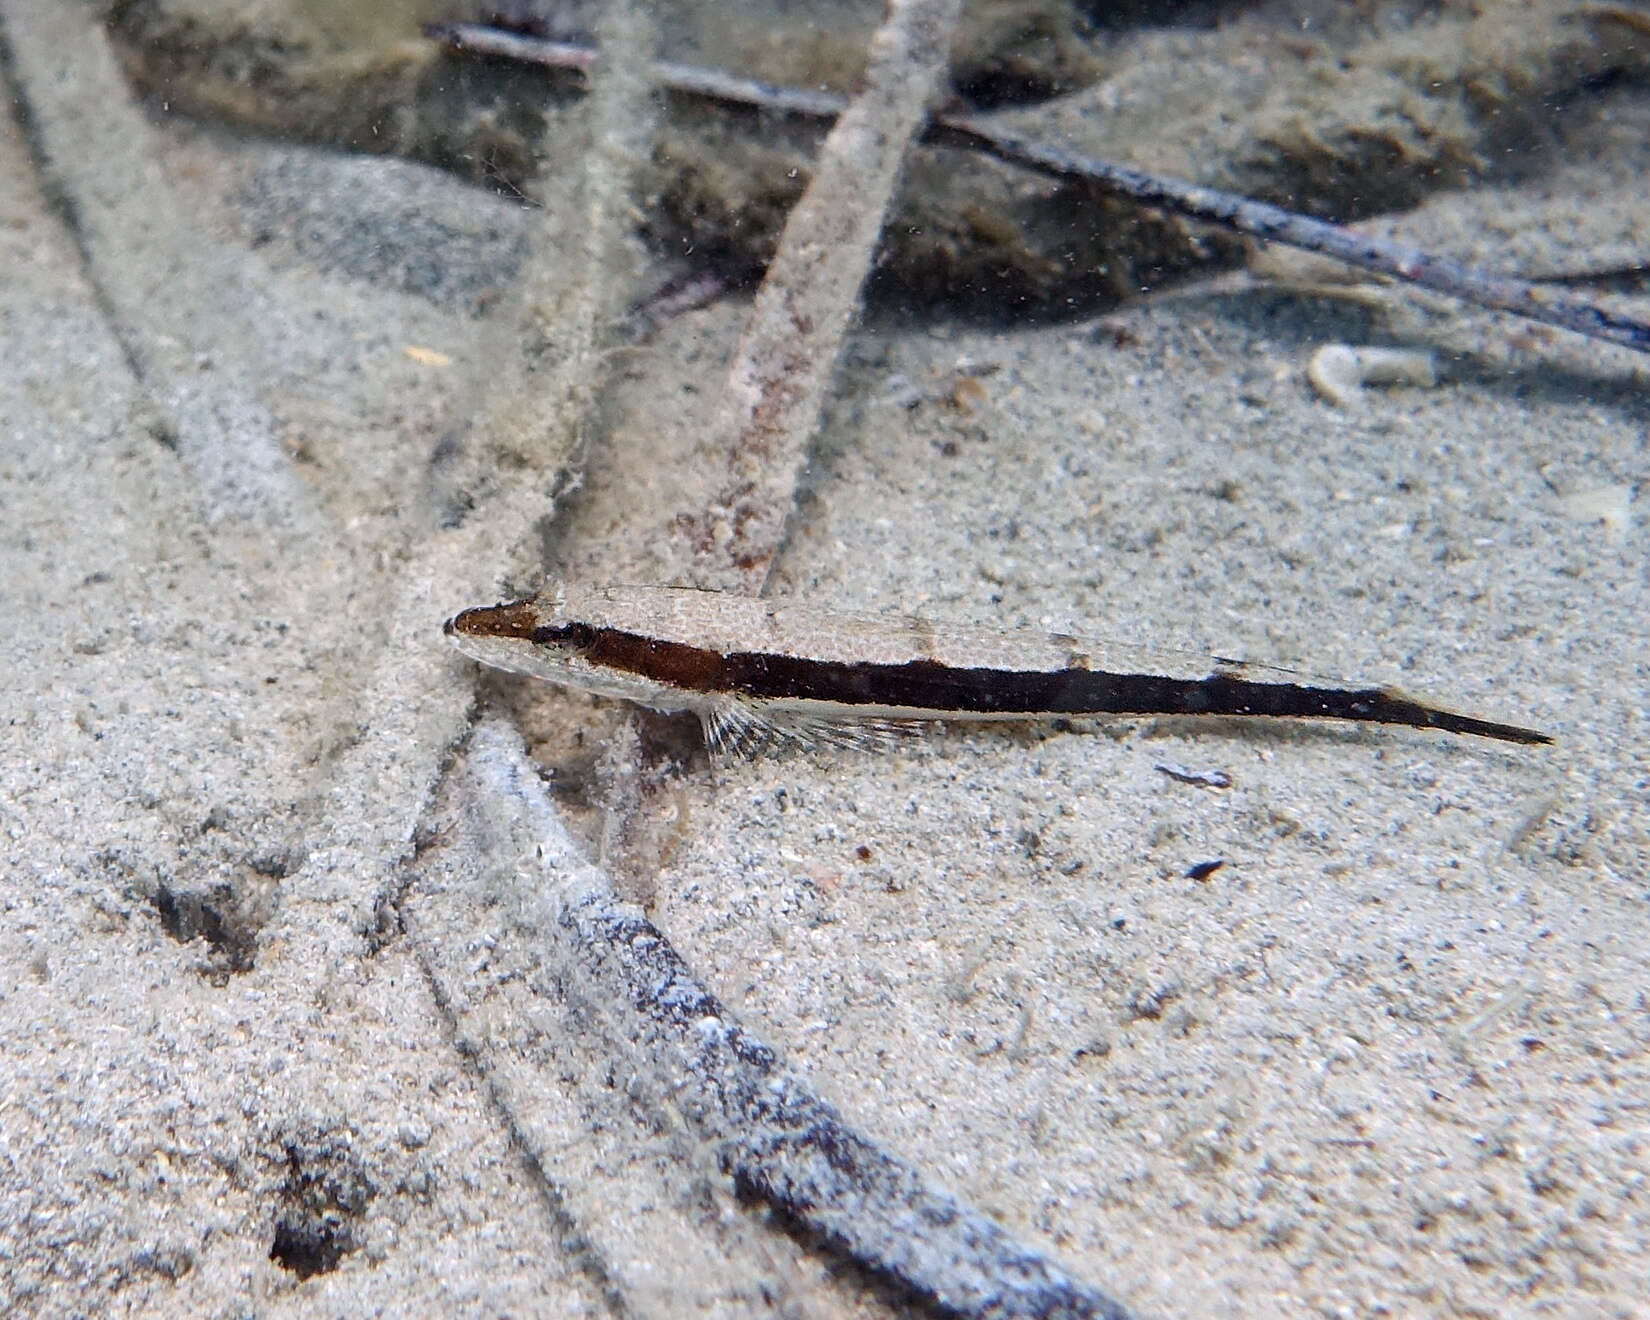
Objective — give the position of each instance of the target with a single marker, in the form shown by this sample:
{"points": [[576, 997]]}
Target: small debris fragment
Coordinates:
{"points": [[1339, 372], [1530, 825], [426, 357], [960, 390], [1610, 505], [675, 297], [1203, 870], [1186, 775], [959, 986]]}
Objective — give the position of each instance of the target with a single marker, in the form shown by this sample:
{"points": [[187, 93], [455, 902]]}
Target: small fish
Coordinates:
{"points": [[756, 669]]}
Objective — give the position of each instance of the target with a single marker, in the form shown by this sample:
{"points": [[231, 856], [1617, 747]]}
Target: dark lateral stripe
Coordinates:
{"points": [[929, 685]]}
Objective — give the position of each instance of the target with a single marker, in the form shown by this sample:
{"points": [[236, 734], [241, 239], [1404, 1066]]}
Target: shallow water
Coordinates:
{"points": [[285, 1018]]}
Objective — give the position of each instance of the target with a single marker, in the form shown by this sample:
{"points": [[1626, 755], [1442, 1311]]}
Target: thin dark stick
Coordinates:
{"points": [[1276, 225], [478, 39], [780, 1144], [785, 1147], [1260, 220]]}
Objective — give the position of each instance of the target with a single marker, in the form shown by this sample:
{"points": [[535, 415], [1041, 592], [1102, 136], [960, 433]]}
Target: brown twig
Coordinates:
{"points": [[479, 39], [1272, 224]]}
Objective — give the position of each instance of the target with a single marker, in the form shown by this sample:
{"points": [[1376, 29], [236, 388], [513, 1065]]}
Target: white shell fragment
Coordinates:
{"points": [[1339, 372], [1610, 505]]}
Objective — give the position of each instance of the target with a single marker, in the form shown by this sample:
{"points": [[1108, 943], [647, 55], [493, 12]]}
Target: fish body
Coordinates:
{"points": [[747, 666]]}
